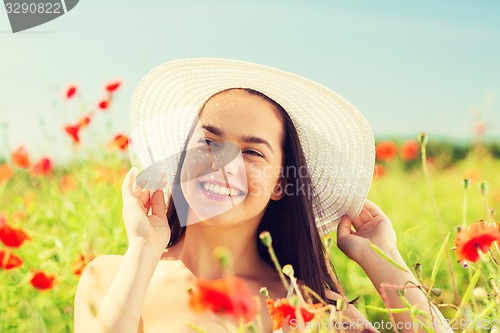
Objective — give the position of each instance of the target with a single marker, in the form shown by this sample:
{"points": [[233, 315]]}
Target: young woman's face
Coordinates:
{"points": [[242, 135]]}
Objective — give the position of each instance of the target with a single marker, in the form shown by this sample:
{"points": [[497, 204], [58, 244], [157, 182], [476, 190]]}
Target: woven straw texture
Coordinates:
{"points": [[337, 140]]}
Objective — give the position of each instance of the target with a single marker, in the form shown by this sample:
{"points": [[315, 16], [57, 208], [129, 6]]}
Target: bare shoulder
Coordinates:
{"points": [[100, 272], [93, 285]]}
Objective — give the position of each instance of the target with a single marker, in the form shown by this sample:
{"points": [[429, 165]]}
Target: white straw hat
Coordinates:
{"points": [[337, 141]]}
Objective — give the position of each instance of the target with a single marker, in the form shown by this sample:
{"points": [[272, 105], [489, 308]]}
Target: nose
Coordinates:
{"points": [[232, 167]]}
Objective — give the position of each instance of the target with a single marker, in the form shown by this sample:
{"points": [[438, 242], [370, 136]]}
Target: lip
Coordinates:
{"points": [[219, 197], [222, 184]]}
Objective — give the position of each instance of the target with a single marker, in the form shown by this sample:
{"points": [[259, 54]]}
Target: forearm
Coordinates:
{"points": [[387, 279], [121, 307]]}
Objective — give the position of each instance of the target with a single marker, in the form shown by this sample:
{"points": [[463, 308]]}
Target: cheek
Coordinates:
{"points": [[262, 180]]}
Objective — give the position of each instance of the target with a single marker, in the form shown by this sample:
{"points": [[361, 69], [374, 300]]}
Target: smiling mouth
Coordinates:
{"points": [[219, 190]]}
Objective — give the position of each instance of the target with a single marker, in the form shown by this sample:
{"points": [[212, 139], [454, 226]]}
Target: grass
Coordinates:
{"points": [[87, 219], [405, 198]]}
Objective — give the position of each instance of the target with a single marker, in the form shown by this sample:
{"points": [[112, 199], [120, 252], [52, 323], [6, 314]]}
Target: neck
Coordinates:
{"points": [[196, 250]]}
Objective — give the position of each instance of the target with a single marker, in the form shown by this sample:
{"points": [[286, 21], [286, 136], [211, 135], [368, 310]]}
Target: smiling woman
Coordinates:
{"points": [[238, 127], [224, 118]]}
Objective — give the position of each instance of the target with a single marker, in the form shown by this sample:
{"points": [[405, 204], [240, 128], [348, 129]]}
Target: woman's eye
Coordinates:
{"points": [[207, 142], [253, 152]]}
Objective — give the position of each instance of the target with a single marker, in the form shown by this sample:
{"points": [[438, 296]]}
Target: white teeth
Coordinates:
{"points": [[220, 190]]}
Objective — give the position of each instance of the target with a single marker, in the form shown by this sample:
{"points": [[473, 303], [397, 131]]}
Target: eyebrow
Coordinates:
{"points": [[244, 138]]}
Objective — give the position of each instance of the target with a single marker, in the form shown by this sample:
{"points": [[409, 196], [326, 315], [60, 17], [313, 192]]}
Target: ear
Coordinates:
{"points": [[279, 189]]}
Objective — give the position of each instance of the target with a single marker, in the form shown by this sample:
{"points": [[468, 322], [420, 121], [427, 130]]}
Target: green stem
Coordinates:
{"points": [[468, 292], [480, 316], [473, 299], [423, 152], [464, 209], [195, 328], [278, 267]]}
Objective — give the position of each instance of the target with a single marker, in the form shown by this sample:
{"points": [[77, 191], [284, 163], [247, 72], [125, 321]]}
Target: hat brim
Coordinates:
{"points": [[337, 140]]}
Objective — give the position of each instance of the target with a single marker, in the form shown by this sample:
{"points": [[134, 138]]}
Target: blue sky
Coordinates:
{"points": [[407, 66]]}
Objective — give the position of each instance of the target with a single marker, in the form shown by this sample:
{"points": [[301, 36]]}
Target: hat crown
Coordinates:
{"points": [[336, 139]]}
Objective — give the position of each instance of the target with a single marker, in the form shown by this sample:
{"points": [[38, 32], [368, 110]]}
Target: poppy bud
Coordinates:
{"points": [[418, 268], [436, 292], [479, 293], [484, 188], [288, 270], [265, 238], [422, 138]]}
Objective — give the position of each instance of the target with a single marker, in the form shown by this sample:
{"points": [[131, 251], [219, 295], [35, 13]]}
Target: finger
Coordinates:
{"points": [[363, 217], [344, 227], [158, 207], [144, 197], [128, 182], [137, 190], [372, 208], [147, 206]]}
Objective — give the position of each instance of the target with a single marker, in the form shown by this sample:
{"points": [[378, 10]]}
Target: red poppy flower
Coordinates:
{"points": [[281, 310], [476, 237], [229, 296], [68, 183], [379, 171], [6, 172], [104, 104], [21, 158], [11, 237], [113, 86], [120, 141], [42, 281], [80, 263], [74, 132], [85, 121], [42, 168], [386, 150], [9, 260], [409, 150], [70, 92]]}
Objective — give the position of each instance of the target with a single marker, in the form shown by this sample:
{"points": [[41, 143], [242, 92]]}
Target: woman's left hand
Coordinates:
{"points": [[370, 225]]}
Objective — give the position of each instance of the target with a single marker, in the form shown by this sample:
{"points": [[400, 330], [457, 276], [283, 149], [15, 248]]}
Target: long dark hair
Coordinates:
{"points": [[290, 220]]}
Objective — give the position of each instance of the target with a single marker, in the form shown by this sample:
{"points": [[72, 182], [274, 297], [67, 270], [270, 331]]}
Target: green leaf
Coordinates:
{"points": [[384, 310], [439, 258], [386, 257], [468, 292]]}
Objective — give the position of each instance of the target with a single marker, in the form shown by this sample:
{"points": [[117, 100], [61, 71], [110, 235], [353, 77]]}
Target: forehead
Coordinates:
{"points": [[238, 110]]}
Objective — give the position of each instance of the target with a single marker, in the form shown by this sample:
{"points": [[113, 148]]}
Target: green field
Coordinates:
{"points": [[87, 219]]}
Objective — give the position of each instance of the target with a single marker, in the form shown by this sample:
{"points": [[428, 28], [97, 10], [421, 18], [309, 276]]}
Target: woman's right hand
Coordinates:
{"points": [[150, 230]]}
